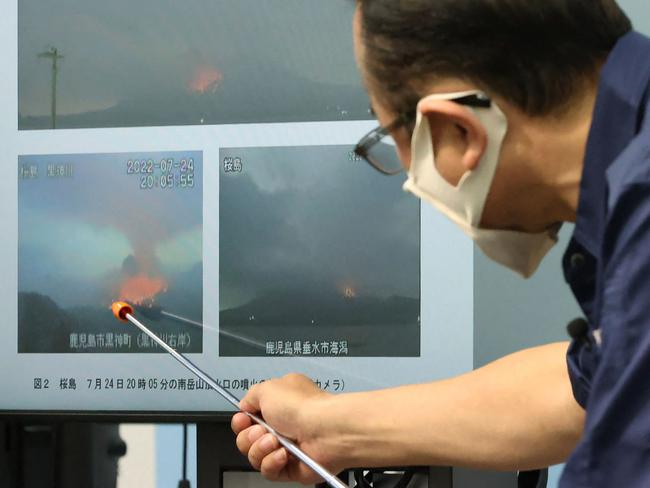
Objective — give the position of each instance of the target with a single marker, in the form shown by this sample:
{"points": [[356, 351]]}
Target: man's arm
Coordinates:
{"points": [[516, 413]]}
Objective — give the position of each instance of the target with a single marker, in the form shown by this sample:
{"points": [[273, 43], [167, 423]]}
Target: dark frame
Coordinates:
{"points": [[115, 416]]}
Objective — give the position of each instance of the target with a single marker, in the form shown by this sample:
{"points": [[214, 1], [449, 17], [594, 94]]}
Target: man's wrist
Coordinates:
{"points": [[335, 428]]}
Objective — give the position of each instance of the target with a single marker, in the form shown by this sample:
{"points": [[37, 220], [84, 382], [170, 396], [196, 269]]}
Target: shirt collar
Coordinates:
{"points": [[618, 113]]}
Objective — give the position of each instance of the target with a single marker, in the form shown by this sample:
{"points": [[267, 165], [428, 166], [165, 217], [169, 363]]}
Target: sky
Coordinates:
{"points": [[174, 63], [75, 233], [306, 218]]}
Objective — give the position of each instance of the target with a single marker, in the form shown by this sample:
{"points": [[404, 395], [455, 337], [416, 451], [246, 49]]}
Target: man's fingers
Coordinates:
{"points": [[276, 464], [242, 442], [255, 433], [251, 402], [261, 448], [273, 466], [240, 422], [247, 438]]}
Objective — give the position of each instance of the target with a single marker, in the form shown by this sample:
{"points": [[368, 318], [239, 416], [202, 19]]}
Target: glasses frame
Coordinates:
{"points": [[375, 136]]}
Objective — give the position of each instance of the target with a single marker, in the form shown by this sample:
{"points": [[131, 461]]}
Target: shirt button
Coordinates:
{"points": [[577, 260]]}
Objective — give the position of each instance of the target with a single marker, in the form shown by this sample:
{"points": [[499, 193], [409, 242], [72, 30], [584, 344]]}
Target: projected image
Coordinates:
{"points": [[93, 228], [148, 63], [319, 256]]}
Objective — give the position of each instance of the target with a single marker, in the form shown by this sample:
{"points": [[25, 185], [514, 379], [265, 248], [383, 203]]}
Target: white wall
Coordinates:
{"points": [[136, 469]]}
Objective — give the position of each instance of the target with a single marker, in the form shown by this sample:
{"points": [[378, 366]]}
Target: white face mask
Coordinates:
{"points": [[463, 204]]}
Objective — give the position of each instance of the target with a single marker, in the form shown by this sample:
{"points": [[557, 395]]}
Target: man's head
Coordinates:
{"points": [[539, 60], [537, 54]]}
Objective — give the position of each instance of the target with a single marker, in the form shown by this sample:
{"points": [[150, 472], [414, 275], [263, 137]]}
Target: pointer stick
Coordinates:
{"points": [[124, 312]]}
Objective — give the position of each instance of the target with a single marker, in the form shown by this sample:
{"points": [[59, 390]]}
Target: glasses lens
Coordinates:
{"points": [[383, 155]]}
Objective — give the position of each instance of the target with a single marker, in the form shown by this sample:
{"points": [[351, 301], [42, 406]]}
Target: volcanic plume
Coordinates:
{"points": [[140, 282], [141, 289]]}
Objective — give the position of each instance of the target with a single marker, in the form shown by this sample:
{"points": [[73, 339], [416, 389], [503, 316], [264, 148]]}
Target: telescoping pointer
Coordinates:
{"points": [[124, 312]]}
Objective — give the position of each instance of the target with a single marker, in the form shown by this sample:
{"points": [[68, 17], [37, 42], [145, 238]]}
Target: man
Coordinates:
{"points": [[510, 116]]}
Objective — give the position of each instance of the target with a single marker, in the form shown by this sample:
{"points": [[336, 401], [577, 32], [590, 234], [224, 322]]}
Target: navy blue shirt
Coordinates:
{"points": [[607, 265]]}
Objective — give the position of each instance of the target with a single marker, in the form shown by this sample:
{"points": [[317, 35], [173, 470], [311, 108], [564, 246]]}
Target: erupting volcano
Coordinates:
{"points": [[141, 289]]}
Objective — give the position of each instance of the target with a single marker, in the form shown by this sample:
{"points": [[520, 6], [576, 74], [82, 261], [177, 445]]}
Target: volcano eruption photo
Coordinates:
{"points": [[308, 264], [95, 228], [197, 62]]}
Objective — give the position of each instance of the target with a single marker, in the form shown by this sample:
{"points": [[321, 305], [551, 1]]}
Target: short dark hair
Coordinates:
{"points": [[534, 53]]}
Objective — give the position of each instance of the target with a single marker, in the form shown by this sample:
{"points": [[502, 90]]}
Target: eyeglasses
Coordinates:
{"points": [[378, 148]]}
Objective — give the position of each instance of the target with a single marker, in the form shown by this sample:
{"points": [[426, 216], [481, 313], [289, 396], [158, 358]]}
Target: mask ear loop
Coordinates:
{"points": [[467, 208]]}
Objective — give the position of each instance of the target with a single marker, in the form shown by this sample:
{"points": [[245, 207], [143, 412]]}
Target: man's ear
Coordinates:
{"points": [[459, 138]]}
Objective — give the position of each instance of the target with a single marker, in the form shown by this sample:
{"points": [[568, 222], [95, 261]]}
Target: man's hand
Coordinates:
{"points": [[290, 405], [517, 413]]}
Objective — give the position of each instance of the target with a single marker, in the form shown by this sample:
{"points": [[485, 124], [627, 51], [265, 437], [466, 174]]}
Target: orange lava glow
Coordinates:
{"points": [[142, 289], [206, 79], [349, 292]]}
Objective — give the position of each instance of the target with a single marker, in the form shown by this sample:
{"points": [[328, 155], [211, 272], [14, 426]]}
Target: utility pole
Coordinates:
{"points": [[54, 55]]}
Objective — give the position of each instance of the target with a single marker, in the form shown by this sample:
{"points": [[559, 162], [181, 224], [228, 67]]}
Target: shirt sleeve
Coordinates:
{"points": [[582, 362], [615, 449]]}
